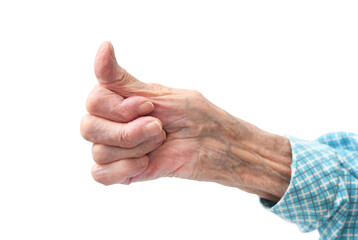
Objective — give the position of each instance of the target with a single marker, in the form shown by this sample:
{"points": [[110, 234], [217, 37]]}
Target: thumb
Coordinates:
{"points": [[113, 77]]}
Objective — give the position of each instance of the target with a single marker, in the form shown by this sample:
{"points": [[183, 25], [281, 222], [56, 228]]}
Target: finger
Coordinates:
{"points": [[162, 164], [103, 154], [106, 104], [126, 135], [117, 79], [119, 171]]}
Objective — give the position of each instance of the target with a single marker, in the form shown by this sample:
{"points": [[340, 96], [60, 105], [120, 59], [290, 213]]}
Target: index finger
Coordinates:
{"points": [[109, 105]]}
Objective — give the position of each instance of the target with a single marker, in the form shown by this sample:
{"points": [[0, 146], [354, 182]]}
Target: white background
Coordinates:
{"points": [[289, 67]]}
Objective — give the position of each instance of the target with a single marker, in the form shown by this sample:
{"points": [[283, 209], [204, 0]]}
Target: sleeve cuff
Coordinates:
{"points": [[316, 192]]}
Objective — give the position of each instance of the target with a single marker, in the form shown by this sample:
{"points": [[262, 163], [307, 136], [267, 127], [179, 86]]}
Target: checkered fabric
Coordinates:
{"points": [[323, 192]]}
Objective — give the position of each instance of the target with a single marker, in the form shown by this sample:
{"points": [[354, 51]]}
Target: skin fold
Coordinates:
{"points": [[144, 131]]}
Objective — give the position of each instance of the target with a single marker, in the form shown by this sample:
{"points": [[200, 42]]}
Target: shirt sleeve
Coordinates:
{"points": [[323, 192]]}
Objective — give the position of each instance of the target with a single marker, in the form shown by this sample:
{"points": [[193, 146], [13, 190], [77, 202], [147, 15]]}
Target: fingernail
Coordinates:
{"points": [[111, 50], [145, 108], [153, 128], [142, 162], [161, 137]]}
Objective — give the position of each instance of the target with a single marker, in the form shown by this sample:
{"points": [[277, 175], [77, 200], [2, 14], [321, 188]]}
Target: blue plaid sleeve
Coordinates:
{"points": [[323, 192]]}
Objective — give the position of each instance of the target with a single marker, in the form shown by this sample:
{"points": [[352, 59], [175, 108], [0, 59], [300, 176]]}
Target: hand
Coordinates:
{"points": [[202, 142]]}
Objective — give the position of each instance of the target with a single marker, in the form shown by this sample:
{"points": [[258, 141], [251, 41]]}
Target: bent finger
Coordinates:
{"points": [[106, 104], [119, 171], [104, 154], [126, 135]]}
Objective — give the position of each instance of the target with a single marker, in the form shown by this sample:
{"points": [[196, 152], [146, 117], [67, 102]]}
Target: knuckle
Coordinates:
{"points": [[93, 100], [85, 128], [126, 181], [124, 76], [196, 94], [125, 113], [125, 138], [156, 87], [98, 153], [99, 175], [123, 180]]}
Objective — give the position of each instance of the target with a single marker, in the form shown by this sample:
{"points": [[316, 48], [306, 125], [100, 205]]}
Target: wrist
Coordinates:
{"points": [[272, 166]]}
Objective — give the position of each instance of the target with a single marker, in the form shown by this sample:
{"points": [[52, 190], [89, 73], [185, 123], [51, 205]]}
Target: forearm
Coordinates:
{"points": [[241, 155]]}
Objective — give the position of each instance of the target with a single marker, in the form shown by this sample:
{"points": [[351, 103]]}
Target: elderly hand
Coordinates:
{"points": [[143, 131]]}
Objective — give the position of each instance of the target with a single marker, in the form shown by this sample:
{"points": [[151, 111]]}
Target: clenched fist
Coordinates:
{"points": [[142, 131]]}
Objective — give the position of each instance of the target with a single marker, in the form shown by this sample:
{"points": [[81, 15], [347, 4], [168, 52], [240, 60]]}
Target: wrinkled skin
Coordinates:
{"points": [[191, 138]]}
